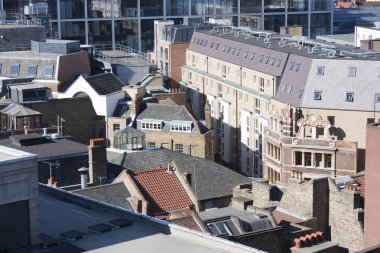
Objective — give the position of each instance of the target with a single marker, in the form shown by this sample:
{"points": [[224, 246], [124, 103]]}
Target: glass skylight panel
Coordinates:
{"points": [[261, 58], [299, 93], [266, 59], [279, 62], [291, 66], [14, 70], [272, 61], [198, 41], [284, 88], [217, 46], [233, 50], [289, 89], [205, 43], [48, 71], [320, 70], [238, 51], [317, 95], [229, 49], [349, 97], [212, 44], [377, 98], [352, 71], [297, 66], [224, 48], [245, 54], [32, 70], [252, 56]]}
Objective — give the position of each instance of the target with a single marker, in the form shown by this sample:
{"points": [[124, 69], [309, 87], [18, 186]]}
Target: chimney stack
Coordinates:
{"points": [[97, 159], [83, 177]]}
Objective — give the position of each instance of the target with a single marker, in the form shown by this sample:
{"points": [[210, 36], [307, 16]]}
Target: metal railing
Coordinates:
{"points": [[19, 19], [129, 55]]}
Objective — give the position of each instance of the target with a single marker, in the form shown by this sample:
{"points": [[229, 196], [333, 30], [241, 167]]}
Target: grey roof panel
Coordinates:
{"points": [[212, 180], [114, 194], [105, 84]]}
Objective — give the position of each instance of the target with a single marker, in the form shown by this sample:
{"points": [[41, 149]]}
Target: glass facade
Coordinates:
{"points": [[130, 22]]}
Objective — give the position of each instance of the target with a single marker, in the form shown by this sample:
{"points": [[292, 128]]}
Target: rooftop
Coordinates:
{"points": [[209, 176], [162, 189], [12, 155], [94, 224], [105, 84], [49, 148], [116, 194]]}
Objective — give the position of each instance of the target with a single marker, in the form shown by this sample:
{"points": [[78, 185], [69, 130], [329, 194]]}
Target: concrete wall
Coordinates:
{"points": [[19, 181]]}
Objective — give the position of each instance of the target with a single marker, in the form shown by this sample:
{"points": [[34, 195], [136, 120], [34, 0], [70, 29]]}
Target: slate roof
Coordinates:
{"points": [[212, 180], [114, 194], [105, 84], [169, 113], [163, 190]]}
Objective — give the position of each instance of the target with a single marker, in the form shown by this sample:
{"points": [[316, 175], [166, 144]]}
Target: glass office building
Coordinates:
{"points": [[130, 22]]}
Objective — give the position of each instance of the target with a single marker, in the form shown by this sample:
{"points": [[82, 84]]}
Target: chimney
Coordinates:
{"points": [[83, 177], [97, 159], [208, 118]]}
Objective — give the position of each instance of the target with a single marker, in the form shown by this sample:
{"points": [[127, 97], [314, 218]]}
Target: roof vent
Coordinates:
{"points": [[73, 235], [100, 228], [119, 223]]}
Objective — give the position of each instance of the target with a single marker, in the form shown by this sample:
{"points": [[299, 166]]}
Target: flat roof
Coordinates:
{"points": [[28, 55], [8, 155], [27, 86], [51, 149], [62, 211]]}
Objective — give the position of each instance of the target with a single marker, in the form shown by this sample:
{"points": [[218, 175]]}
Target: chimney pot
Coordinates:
{"points": [[298, 243]]}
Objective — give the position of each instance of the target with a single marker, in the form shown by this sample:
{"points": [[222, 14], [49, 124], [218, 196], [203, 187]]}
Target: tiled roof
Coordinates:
{"points": [[114, 194], [212, 180], [163, 190], [345, 5], [360, 179], [105, 84]]}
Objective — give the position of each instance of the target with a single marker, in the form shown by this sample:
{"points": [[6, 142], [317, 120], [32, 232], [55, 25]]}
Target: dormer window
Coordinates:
{"points": [[317, 95], [349, 97], [48, 71], [14, 70], [152, 124], [32, 70], [320, 70], [181, 126]]}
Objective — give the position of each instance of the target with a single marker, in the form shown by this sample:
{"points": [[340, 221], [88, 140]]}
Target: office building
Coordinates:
{"points": [[131, 22]]}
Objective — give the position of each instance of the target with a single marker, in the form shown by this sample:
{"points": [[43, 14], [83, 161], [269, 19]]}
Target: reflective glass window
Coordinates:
{"points": [[226, 6], [299, 19], [150, 8], [47, 8], [250, 6], [274, 5], [73, 31], [177, 7], [202, 7], [100, 32], [273, 22], [71, 9], [298, 5], [251, 21], [127, 8], [100, 8], [320, 5], [147, 37], [126, 33], [320, 24]]}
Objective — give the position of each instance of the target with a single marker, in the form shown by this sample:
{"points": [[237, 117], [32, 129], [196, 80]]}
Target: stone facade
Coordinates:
{"points": [[346, 218]]}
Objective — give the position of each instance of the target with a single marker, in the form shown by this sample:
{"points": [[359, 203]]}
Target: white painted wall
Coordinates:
{"points": [[364, 33], [226, 139], [104, 105]]}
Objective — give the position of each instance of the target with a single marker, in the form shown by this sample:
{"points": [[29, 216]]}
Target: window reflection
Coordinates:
{"points": [[100, 32], [177, 7], [151, 8], [99, 8], [299, 20], [73, 31], [250, 6], [202, 7], [71, 9], [251, 21], [274, 5], [273, 23], [127, 8], [226, 6], [126, 33]]}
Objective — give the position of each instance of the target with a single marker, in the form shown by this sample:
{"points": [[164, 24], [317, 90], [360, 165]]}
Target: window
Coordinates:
{"points": [[193, 61], [279, 62], [224, 71], [291, 66], [317, 95], [14, 71], [212, 44], [224, 48], [307, 159], [370, 120], [179, 148], [32, 70], [284, 87], [245, 54], [262, 84], [261, 58], [220, 88], [151, 124], [320, 71], [257, 106], [181, 126], [151, 144], [349, 97], [266, 60], [297, 66], [272, 61], [331, 119], [252, 56], [238, 52], [289, 89], [352, 71], [299, 93], [268, 83], [116, 127], [217, 46], [298, 158], [377, 98], [48, 71], [328, 159]]}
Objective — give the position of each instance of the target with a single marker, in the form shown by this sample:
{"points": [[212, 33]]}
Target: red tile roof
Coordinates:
{"points": [[344, 5], [360, 179], [163, 190]]}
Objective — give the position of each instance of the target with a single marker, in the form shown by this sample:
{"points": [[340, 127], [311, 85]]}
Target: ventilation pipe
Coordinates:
{"points": [[83, 177]]}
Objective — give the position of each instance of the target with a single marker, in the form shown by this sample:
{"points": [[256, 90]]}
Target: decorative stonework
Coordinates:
{"points": [[314, 121]]}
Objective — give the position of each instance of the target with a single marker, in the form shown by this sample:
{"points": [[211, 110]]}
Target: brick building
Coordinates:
{"points": [[175, 128]]}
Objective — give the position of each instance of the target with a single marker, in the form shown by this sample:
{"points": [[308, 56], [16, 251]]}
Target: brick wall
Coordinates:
{"points": [[81, 121]]}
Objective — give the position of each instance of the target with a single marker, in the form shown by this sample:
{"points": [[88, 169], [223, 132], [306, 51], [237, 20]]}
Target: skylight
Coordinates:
{"points": [[48, 71], [317, 95], [297, 66], [291, 65], [14, 70], [349, 97], [299, 93]]}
